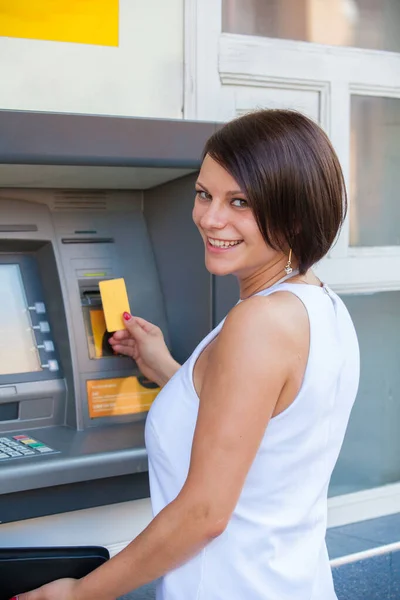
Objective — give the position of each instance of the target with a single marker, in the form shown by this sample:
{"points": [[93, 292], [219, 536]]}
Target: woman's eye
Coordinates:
{"points": [[202, 195], [240, 202]]}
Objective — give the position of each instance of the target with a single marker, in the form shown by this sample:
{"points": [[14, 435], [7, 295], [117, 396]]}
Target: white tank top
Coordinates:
{"points": [[274, 545]]}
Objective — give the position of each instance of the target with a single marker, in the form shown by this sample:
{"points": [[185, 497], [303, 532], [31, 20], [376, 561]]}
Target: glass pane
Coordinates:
{"points": [[370, 456], [362, 23], [18, 353], [375, 171]]}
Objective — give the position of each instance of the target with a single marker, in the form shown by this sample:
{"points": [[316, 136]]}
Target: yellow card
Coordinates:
{"points": [[115, 302]]}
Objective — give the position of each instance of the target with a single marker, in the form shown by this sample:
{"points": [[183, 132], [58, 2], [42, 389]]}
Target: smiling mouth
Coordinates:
{"points": [[223, 243]]}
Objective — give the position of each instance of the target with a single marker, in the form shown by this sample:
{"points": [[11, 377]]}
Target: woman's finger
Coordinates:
{"points": [[127, 350], [128, 347], [123, 334], [130, 342], [122, 349]]}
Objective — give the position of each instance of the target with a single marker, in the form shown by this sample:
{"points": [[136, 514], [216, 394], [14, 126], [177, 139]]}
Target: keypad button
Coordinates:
{"points": [[20, 446]]}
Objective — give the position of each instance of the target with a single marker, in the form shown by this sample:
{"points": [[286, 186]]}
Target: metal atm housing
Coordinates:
{"points": [[112, 198]]}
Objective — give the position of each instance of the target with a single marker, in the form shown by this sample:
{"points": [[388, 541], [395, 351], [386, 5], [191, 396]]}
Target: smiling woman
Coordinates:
{"points": [[243, 438], [288, 174]]}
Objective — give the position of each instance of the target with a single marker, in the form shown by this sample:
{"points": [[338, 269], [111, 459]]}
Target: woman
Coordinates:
{"points": [[243, 438]]}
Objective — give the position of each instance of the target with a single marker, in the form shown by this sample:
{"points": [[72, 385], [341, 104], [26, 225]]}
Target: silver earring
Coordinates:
{"points": [[288, 268]]}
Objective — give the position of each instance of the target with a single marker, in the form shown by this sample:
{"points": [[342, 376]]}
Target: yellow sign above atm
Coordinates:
{"points": [[122, 396], [79, 21]]}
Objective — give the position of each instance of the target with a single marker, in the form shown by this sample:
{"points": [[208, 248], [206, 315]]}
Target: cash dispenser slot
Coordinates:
{"points": [[91, 298], [9, 411]]}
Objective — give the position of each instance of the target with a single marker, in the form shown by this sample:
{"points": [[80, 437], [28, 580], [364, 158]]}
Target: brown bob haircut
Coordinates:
{"points": [[289, 172]]}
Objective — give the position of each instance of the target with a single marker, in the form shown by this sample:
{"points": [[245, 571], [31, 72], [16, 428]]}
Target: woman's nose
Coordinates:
{"points": [[214, 217]]}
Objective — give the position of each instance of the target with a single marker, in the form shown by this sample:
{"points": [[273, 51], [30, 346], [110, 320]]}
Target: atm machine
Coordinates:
{"points": [[84, 199]]}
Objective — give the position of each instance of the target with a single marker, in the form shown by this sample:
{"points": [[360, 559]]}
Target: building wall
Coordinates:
{"points": [[142, 76]]}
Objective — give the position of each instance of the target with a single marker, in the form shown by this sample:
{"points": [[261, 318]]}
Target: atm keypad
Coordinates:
{"points": [[19, 446]]}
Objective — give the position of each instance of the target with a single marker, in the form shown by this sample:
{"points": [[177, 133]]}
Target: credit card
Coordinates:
{"points": [[115, 302]]}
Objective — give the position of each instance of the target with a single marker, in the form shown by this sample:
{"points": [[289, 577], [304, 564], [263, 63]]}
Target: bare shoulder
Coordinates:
{"points": [[281, 316], [264, 339]]}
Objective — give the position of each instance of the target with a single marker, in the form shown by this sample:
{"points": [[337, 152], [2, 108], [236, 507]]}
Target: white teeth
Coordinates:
{"points": [[223, 244]]}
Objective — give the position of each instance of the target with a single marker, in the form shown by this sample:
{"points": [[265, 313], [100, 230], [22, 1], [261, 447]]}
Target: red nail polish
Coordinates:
{"points": [[127, 316]]}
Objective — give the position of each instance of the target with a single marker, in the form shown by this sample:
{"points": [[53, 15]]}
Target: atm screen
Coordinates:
{"points": [[18, 351]]}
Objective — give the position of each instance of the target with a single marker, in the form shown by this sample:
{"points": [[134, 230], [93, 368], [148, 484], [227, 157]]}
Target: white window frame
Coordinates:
{"points": [[221, 68]]}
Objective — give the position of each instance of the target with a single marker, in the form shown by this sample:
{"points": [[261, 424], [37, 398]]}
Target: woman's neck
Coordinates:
{"points": [[263, 278]]}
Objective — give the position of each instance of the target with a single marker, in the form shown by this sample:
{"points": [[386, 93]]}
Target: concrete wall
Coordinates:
{"points": [[142, 77]]}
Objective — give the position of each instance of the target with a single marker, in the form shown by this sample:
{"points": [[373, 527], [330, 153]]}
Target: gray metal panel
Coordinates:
{"points": [[131, 257], [41, 404], [56, 305], [179, 253], [23, 222], [64, 139], [31, 504], [225, 296], [135, 255], [84, 455]]}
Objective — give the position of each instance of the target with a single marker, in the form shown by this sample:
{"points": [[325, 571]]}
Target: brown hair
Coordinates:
{"points": [[288, 170]]}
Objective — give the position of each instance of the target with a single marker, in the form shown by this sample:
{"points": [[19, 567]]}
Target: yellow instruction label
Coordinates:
{"points": [[122, 396]]}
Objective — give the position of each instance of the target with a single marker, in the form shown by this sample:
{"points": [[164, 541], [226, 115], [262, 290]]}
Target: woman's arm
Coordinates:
{"points": [[249, 367]]}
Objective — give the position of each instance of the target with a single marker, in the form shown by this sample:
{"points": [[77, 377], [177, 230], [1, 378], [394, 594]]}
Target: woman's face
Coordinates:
{"points": [[233, 242]]}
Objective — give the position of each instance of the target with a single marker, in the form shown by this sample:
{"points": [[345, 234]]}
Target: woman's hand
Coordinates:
{"points": [[62, 589], [144, 342]]}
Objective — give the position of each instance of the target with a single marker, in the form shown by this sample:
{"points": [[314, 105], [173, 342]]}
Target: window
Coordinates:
{"points": [[371, 449], [372, 24], [375, 171]]}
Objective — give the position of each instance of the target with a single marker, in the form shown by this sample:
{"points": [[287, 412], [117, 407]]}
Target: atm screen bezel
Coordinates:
{"points": [[34, 292]]}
